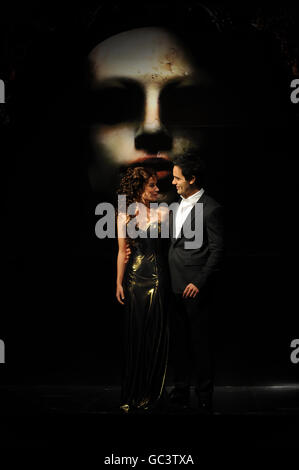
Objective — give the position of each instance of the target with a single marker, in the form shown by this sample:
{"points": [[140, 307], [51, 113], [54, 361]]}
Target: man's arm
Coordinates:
{"points": [[215, 233]]}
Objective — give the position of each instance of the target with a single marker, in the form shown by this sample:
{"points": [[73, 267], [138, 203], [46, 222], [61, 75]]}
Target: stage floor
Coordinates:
{"points": [[16, 400], [250, 423]]}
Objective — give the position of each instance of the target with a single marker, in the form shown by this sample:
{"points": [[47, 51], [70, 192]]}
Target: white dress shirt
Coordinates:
{"points": [[184, 210]]}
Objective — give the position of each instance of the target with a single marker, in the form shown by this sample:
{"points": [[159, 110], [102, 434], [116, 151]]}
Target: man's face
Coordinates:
{"points": [[183, 187], [147, 103]]}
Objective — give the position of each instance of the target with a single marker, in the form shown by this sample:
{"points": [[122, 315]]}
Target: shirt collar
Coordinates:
{"points": [[194, 198]]}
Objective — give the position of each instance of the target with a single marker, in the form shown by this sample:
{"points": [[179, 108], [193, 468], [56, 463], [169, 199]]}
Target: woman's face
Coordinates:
{"points": [[151, 191], [148, 103]]}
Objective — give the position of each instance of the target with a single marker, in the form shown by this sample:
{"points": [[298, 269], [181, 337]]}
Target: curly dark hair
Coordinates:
{"points": [[133, 182]]}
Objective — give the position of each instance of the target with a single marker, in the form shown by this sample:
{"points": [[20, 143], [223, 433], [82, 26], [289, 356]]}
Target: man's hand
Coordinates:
{"points": [[190, 291], [128, 253]]}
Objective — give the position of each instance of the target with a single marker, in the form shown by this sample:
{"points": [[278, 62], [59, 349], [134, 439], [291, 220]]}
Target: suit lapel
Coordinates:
{"points": [[172, 222], [188, 220], [202, 201]]}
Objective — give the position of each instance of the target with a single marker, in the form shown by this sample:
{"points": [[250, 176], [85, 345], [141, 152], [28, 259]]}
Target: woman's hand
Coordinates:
{"points": [[128, 253], [120, 293]]}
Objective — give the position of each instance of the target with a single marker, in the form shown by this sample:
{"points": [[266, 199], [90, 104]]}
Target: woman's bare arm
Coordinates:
{"points": [[121, 258]]}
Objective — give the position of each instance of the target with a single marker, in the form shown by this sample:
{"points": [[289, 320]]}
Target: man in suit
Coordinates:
{"points": [[193, 273]]}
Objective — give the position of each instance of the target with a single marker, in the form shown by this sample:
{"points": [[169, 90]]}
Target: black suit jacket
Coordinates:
{"points": [[197, 265]]}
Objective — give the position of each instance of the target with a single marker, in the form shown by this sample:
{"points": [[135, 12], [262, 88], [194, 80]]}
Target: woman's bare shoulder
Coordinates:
{"points": [[163, 212], [122, 218]]}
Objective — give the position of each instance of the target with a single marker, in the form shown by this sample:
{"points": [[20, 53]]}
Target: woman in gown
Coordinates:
{"points": [[142, 285]]}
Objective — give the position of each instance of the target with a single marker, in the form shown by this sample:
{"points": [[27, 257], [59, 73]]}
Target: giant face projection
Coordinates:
{"points": [[149, 102]]}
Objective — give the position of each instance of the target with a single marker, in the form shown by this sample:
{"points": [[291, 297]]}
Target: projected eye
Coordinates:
{"points": [[113, 105], [189, 105]]}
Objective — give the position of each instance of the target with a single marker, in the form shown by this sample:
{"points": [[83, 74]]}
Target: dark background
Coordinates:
{"points": [[59, 318]]}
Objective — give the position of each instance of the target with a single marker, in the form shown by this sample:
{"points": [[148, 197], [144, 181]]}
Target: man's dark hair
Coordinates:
{"points": [[191, 165]]}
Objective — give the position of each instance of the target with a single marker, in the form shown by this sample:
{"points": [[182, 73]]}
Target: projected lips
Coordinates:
{"points": [[160, 162]]}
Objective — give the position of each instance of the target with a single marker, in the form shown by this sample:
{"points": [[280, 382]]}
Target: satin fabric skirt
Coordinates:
{"points": [[146, 333]]}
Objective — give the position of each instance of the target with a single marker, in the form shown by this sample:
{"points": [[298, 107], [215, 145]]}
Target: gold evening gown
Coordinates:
{"points": [[146, 333]]}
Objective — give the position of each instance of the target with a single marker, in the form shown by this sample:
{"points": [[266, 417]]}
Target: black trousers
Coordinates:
{"points": [[191, 342]]}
